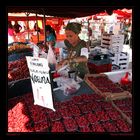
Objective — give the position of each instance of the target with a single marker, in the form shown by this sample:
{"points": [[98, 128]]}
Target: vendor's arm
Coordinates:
{"points": [[62, 64], [75, 59], [79, 59]]}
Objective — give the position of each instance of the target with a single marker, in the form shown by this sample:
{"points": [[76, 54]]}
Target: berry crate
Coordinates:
{"points": [[122, 109], [102, 85]]}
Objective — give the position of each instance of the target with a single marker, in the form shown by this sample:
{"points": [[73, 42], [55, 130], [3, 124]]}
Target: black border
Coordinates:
{"points": [[4, 66]]}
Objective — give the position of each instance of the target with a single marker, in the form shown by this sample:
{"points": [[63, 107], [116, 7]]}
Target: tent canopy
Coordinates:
{"points": [[65, 11]]}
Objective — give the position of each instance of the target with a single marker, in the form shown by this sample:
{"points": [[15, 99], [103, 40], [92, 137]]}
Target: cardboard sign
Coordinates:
{"points": [[40, 79]]}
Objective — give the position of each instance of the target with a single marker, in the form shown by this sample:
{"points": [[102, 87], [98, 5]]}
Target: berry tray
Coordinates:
{"points": [[123, 112], [102, 85]]}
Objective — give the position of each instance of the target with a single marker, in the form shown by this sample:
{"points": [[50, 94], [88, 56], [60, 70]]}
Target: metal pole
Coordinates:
{"points": [[44, 19], [27, 14], [37, 27], [88, 30], [88, 33]]}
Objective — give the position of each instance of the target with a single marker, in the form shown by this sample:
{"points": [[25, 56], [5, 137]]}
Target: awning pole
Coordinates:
{"points": [[27, 14], [37, 27], [44, 19]]}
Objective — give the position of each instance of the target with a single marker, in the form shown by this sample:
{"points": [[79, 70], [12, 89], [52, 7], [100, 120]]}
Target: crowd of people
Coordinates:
{"points": [[125, 27], [13, 30]]}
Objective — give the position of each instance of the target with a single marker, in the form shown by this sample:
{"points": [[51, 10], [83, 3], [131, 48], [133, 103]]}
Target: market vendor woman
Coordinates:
{"points": [[77, 50]]}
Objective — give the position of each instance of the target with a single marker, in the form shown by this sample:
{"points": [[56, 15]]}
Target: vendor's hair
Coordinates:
{"points": [[50, 29], [10, 25], [74, 26]]}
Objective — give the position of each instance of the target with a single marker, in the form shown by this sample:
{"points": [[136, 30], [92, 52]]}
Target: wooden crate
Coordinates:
{"points": [[107, 95], [124, 116]]}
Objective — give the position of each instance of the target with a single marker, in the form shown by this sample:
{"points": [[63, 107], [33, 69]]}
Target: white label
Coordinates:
{"points": [[40, 79], [35, 51], [84, 51]]}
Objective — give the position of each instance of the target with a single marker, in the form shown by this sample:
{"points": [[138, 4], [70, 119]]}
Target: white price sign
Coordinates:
{"points": [[40, 79]]}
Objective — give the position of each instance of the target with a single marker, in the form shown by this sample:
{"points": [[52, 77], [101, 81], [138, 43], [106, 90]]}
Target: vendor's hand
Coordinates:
{"points": [[61, 64]]}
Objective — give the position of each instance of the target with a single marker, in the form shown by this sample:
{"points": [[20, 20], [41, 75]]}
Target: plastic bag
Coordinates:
{"points": [[43, 54], [68, 85], [51, 57]]}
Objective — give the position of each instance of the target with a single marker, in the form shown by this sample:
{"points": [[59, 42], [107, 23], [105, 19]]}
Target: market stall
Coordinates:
{"points": [[101, 102], [86, 110]]}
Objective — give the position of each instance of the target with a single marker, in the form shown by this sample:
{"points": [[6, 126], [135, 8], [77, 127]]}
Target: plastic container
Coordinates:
{"points": [[54, 116], [82, 121], [77, 99], [41, 126], [72, 74], [84, 108], [97, 127], [75, 110], [65, 113], [110, 126], [57, 126], [70, 125], [93, 68], [85, 129], [92, 118]]}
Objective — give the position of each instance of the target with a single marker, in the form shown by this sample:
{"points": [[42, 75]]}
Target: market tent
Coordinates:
{"points": [[124, 13], [32, 16], [66, 11], [55, 22], [22, 17]]}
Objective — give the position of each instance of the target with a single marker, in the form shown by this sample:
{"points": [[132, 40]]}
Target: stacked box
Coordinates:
{"points": [[116, 48], [113, 42], [123, 60], [120, 59], [114, 58]]}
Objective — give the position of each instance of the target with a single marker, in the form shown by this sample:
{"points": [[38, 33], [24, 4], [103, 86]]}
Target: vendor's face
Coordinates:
{"points": [[71, 37]]}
